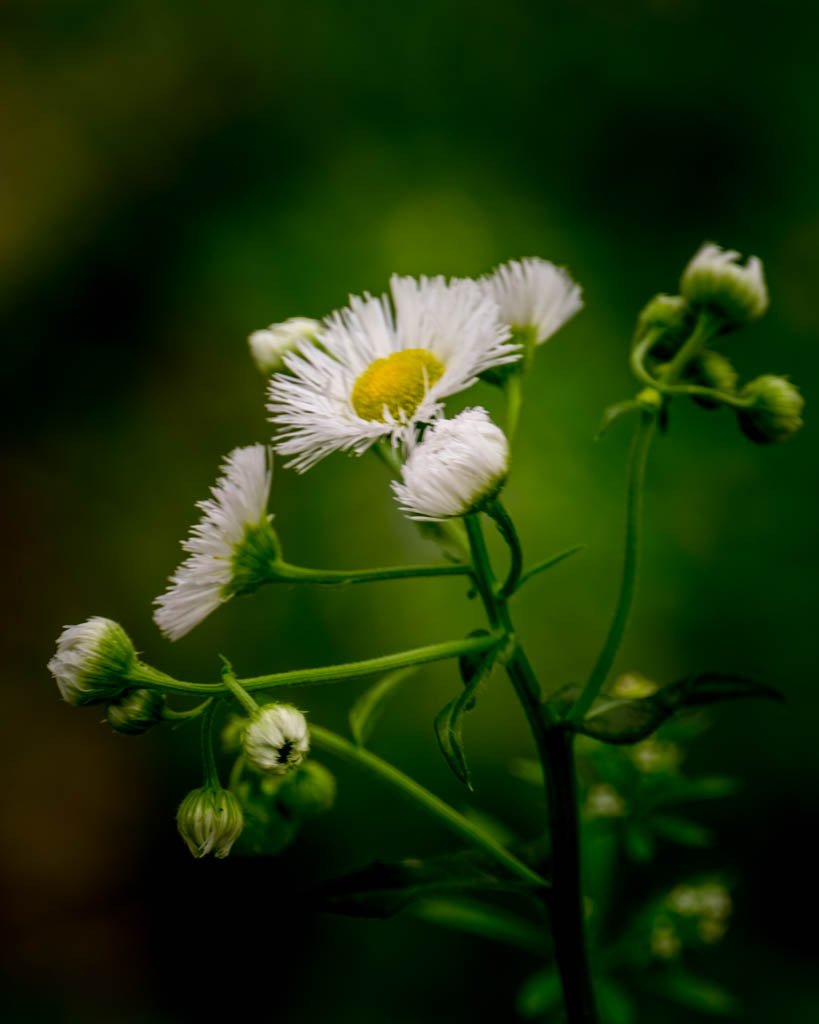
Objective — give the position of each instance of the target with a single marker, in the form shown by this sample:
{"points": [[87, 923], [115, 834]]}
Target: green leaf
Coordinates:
{"points": [[622, 720], [449, 721], [616, 1007], [699, 994], [382, 889], [539, 994], [711, 687], [548, 563], [368, 708], [615, 412], [527, 769], [482, 919], [679, 830]]}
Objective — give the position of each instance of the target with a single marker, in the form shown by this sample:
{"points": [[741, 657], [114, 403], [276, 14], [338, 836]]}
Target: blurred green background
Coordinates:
{"points": [[176, 175]]}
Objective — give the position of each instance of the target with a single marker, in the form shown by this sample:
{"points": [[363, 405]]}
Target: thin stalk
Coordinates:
{"points": [[514, 402], [240, 693], [210, 772], [447, 815], [634, 503], [172, 715], [703, 329], [283, 571], [507, 529], [145, 675]]}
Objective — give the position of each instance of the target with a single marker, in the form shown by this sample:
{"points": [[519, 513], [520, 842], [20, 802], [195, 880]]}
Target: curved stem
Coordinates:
{"points": [[507, 529], [145, 675], [453, 820], [239, 692], [634, 501], [209, 770], [172, 715], [283, 571]]}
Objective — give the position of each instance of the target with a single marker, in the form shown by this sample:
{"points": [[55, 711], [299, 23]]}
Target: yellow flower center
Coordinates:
{"points": [[398, 382]]}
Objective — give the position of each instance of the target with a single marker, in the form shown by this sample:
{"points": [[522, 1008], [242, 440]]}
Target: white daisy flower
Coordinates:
{"points": [[276, 739], [458, 465], [381, 368], [230, 547], [269, 346], [714, 278], [210, 819], [93, 661], [535, 297]]}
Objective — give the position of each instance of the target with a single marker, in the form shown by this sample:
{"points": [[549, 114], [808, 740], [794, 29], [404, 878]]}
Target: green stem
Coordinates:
{"points": [[145, 675], [453, 820], [514, 402], [209, 770], [283, 571], [703, 329], [172, 715], [239, 692], [507, 529], [634, 502]]}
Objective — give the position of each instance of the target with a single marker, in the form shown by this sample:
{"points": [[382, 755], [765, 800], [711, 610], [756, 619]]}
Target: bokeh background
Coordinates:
{"points": [[175, 175]]}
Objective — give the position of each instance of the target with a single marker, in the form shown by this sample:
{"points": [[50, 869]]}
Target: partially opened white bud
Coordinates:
{"points": [[276, 739], [458, 466], [269, 347], [93, 661], [210, 820], [534, 296], [714, 279]]}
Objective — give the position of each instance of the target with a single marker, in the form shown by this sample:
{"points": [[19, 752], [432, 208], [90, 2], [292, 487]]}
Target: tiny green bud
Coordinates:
{"points": [[714, 279], [712, 370], [269, 347], [776, 413], [135, 711], [670, 314], [210, 820], [650, 398], [93, 661], [275, 739], [307, 791]]}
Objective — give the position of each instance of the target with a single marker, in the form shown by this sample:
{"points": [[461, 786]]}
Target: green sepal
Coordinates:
{"points": [[254, 559], [382, 889], [366, 711], [449, 721], [623, 720]]}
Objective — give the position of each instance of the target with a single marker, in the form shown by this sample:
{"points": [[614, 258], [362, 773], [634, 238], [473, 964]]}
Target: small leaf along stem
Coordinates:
{"points": [[453, 820]]}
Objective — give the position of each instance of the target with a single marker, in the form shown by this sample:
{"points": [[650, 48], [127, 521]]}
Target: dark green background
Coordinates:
{"points": [[178, 174]]}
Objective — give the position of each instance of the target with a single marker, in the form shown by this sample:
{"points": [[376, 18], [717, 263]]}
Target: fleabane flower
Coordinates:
{"points": [[535, 298], [93, 661], [276, 739], [231, 547], [457, 467], [715, 279], [210, 820], [268, 347], [384, 365]]}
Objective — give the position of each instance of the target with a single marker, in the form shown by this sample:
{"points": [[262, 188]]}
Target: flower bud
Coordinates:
{"points": [[308, 791], [276, 739], [268, 347], [210, 820], [458, 467], [93, 661], [776, 413], [135, 711], [670, 314], [712, 370], [714, 279]]}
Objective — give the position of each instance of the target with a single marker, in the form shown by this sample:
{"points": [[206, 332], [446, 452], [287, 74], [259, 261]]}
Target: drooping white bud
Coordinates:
{"points": [[458, 466], [714, 279], [93, 661], [269, 346], [210, 820], [276, 739]]}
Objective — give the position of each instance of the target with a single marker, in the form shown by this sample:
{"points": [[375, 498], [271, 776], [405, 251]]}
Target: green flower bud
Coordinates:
{"points": [[714, 279], [93, 661], [232, 733], [210, 820], [135, 711], [776, 413], [308, 791], [269, 347], [712, 370], [672, 315], [275, 739]]}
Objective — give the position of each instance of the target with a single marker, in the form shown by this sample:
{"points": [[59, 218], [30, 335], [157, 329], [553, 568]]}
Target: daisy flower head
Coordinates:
{"points": [[458, 466], [93, 661], [384, 365], [269, 346], [276, 739], [231, 547], [535, 297], [715, 279]]}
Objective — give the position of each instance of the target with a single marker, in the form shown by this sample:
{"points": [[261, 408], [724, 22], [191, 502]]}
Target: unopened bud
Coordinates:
{"points": [[669, 314], [269, 347], [776, 413], [276, 739], [307, 791], [715, 280], [93, 661], [712, 370], [210, 820], [135, 711]]}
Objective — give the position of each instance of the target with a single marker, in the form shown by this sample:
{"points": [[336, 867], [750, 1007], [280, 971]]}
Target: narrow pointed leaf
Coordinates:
{"points": [[366, 711], [616, 412], [481, 919], [700, 994], [449, 721], [711, 687], [549, 563]]}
